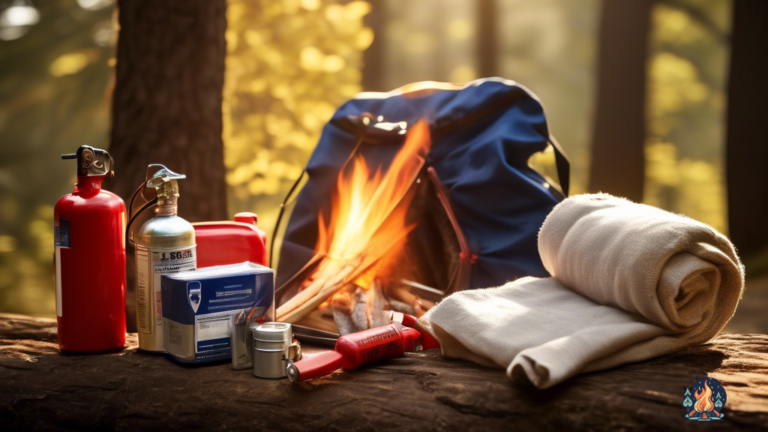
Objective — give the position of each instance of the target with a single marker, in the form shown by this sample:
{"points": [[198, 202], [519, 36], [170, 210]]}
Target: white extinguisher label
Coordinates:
{"points": [[148, 286], [143, 313], [57, 258], [61, 239]]}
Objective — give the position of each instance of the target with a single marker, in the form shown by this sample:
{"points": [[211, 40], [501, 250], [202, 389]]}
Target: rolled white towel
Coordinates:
{"points": [[629, 282]]}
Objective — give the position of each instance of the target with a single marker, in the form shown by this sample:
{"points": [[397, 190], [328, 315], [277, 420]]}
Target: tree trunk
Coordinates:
{"points": [[167, 100], [618, 162], [487, 46], [374, 71], [746, 152]]}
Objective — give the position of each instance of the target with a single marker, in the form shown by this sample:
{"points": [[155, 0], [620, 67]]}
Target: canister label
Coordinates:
{"points": [[61, 237], [61, 240], [57, 262], [150, 265]]}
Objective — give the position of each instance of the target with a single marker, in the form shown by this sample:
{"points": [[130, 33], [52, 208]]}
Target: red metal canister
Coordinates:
{"points": [[90, 259], [226, 242]]}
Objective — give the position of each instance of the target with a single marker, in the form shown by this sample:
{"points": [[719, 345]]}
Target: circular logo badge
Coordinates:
{"points": [[705, 400]]}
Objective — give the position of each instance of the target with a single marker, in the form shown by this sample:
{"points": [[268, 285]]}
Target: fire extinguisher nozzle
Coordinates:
{"points": [[313, 367], [292, 372]]}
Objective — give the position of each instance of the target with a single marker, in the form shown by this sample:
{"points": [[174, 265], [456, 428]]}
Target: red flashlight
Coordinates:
{"points": [[357, 349]]}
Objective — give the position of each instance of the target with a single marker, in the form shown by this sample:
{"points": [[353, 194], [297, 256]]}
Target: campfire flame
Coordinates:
{"points": [[703, 402], [366, 226]]}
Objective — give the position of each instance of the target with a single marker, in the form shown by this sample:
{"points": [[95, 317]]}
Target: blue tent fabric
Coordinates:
{"points": [[482, 137]]}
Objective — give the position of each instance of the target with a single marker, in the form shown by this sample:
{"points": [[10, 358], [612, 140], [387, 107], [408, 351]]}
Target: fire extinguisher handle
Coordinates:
{"points": [[313, 367]]}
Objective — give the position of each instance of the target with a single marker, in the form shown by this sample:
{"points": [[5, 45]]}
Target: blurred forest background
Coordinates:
{"points": [[290, 63]]}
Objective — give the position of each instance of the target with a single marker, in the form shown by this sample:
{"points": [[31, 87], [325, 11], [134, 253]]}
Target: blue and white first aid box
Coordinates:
{"points": [[197, 306]]}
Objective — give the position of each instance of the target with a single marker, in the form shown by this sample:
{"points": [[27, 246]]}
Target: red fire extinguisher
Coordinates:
{"points": [[90, 259], [367, 346]]}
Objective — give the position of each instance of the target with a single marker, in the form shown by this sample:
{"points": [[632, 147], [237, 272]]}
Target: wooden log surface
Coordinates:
{"points": [[42, 389]]}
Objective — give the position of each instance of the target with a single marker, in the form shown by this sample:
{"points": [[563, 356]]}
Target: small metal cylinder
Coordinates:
{"points": [[241, 340], [272, 344]]}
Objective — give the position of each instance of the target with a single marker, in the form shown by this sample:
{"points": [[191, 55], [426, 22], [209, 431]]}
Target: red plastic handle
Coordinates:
{"points": [[313, 367]]}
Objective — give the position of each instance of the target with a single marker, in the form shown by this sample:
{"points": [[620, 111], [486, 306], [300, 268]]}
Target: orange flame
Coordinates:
{"points": [[367, 226], [367, 219], [703, 402]]}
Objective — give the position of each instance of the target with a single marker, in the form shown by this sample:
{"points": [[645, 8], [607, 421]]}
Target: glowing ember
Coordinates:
{"points": [[366, 226]]}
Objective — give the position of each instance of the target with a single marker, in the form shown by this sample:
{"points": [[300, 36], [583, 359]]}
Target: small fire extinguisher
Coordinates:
{"points": [[367, 346], [90, 259]]}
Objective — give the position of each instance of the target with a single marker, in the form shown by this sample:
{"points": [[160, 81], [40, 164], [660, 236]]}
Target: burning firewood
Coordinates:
{"points": [[325, 281], [367, 226], [403, 294], [357, 309], [419, 308], [399, 306], [320, 319]]}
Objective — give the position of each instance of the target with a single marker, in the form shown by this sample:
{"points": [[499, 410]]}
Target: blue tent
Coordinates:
{"points": [[483, 134]]}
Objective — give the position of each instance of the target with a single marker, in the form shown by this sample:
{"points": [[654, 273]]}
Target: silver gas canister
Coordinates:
{"points": [[273, 346], [165, 244]]}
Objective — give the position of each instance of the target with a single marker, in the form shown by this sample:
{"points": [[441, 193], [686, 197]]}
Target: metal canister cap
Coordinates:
{"points": [[273, 331]]}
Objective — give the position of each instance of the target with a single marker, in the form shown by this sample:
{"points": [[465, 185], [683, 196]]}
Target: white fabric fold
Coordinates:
{"points": [[629, 282]]}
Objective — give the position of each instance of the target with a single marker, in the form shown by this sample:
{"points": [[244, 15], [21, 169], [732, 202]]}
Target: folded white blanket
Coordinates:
{"points": [[629, 282]]}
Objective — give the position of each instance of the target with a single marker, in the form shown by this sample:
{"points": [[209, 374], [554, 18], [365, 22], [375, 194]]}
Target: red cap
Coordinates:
{"points": [[247, 217]]}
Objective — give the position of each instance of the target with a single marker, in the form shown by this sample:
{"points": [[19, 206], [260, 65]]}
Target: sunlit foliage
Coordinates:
{"points": [[54, 87], [550, 46], [290, 64], [685, 109]]}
